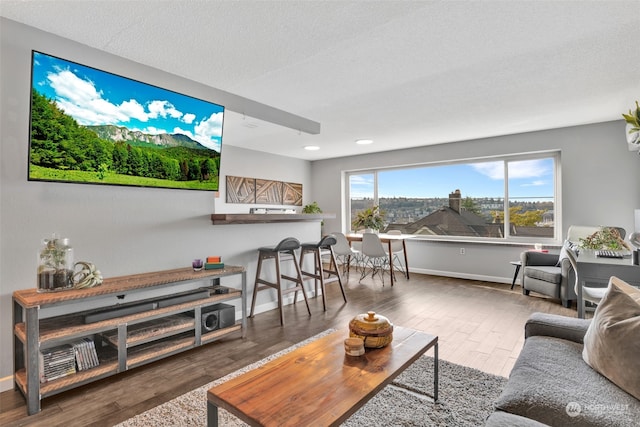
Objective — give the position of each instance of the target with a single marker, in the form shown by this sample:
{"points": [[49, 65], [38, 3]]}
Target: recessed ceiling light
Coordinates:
{"points": [[311, 147], [364, 141]]}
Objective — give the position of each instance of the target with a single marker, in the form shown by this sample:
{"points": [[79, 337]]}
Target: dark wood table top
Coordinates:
{"points": [[318, 384]]}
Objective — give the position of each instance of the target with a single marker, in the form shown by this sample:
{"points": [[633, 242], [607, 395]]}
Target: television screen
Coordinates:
{"points": [[91, 126]]}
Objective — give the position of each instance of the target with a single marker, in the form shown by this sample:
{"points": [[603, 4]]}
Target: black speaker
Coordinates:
{"points": [[217, 316], [226, 316], [209, 321]]}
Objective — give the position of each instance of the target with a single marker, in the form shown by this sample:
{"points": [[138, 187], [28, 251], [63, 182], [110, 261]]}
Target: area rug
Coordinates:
{"points": [[466, 398]]}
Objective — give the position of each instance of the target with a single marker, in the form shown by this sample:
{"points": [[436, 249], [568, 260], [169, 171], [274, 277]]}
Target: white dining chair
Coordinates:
{"points": [[357, 246], [591, 294], [374, 256], [345, 254]]}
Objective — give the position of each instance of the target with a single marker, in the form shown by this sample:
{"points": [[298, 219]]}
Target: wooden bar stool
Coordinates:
{"points": [[283, 251], [324, 247]]}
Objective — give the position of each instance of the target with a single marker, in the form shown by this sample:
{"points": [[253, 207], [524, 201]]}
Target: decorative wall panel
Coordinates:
{"points": [[245, 190], [268, 192], [241, 190], [291, 194]]}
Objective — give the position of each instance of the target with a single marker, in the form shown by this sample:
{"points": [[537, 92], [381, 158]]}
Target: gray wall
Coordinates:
{"points": [[600, 186], [122, 230]]}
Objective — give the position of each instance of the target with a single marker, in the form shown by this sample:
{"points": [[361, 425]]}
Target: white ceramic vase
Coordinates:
{"points": [[633, 138]]}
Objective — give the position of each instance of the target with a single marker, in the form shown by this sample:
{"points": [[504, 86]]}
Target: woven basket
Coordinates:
{"points": [[375, 330]]}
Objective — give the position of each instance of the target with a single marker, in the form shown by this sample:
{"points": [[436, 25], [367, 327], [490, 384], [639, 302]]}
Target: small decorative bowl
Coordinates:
{"points": [[354, 346]]}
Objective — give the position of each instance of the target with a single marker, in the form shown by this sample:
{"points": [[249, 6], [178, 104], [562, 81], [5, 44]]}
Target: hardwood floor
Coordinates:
{"points": [[479, 324]]}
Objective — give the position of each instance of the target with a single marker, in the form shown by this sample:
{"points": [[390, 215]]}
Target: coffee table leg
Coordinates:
{"points": [[212, 415], [435, 373]]}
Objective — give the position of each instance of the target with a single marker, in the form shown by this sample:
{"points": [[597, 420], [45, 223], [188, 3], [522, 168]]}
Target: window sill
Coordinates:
{"points": [[511, 243]]}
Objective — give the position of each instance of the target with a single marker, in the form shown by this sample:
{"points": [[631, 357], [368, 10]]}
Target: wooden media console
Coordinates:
{"points": [[152, 330]]}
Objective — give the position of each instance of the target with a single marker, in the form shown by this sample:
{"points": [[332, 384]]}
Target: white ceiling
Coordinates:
{"points": [[403, 73]]}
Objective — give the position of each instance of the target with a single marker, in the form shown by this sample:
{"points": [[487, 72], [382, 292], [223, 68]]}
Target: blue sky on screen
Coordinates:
{"points": [[95, 97], [528, 179]]}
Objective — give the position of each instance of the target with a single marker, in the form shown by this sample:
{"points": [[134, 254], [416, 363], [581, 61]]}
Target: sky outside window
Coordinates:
{"points": [[531, 179], [473, 180], [361, 186]]}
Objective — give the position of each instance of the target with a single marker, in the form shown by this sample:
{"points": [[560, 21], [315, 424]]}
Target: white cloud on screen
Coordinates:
{"points": [[80, 99]]}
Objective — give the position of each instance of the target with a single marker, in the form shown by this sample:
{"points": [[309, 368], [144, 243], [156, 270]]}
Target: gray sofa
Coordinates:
{"points": [[551, 384]]}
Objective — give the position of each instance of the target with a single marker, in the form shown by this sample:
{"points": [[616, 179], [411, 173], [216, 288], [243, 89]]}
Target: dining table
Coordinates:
{"points": [[387, 239]]}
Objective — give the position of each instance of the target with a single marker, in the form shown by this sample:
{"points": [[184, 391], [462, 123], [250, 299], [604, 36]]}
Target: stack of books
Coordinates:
{"points": [[213, 262]]}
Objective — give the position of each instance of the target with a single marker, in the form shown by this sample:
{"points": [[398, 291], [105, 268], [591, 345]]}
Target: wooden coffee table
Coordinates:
{"points": [[318, 384]]}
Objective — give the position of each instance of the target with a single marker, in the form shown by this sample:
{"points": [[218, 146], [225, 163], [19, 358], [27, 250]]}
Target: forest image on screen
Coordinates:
{"points": [[91, 126]]}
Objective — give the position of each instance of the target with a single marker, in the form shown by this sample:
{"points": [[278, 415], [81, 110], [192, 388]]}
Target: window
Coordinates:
{"points": [[471, 199]]}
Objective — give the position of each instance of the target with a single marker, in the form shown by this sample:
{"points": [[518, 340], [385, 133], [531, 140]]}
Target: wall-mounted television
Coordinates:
{"points": [[94, 127]]}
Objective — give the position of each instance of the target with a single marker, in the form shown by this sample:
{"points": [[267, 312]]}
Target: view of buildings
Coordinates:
{"points": [[458, 216]]}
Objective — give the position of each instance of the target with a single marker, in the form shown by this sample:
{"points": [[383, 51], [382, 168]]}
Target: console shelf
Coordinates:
{"points": [[152, 330], [152, 351], [122, 342], [62, 384]]}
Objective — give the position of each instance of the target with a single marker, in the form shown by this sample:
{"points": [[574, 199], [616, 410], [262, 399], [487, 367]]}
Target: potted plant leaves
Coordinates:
{"points": [[369, 219], [313, 208], [633, 128], [606, 238]]}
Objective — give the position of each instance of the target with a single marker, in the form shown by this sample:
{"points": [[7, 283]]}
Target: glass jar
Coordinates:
{"points": [[55, 265]]}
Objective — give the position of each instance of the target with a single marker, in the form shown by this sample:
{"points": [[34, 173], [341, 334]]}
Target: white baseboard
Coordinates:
{"points": [[459, 275], [6, 383]]}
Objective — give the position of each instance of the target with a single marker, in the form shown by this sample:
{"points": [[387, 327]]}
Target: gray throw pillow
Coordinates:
{"points": [[568, 245], [612, 342]]}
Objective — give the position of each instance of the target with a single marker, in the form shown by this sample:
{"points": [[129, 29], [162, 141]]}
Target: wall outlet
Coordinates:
{"points": [[461, 251]]}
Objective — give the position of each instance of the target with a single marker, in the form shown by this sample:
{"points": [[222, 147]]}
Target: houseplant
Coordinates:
{"points": [[633, 128], [369, 219], [312, 208], [55, 265], [606, 238]]}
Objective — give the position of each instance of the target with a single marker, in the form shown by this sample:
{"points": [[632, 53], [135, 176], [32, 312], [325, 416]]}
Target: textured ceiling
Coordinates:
{"points": [[403, 73]]}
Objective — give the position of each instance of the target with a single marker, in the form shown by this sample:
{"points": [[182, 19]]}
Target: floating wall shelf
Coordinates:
{"points": [[219, 219]]}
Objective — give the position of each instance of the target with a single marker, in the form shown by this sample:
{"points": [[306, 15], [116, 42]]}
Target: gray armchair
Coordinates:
{"points": [[553, 275], [542, 273]]}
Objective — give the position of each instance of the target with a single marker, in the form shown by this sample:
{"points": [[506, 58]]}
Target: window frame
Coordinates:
{"points": [[506, 159]]}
